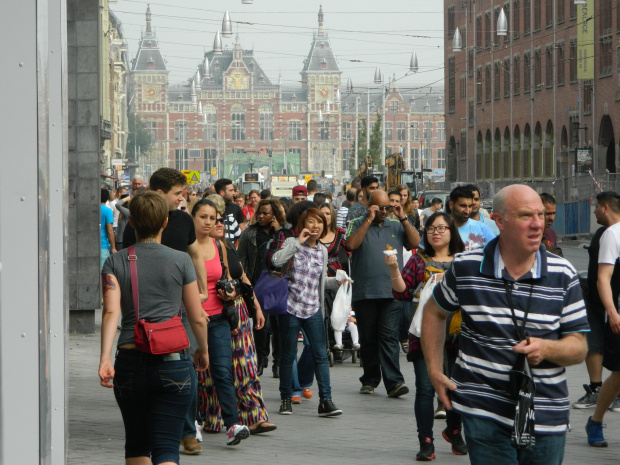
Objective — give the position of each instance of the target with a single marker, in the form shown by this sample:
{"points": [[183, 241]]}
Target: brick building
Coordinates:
{"points": [[520, 104], [230, 114]]}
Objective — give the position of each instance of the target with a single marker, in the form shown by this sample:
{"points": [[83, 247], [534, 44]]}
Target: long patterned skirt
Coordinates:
{"points": [[249, 396]]}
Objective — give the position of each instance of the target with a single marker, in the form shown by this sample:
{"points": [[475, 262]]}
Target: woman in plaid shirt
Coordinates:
{"points": [[306, 289], [441, 242]]}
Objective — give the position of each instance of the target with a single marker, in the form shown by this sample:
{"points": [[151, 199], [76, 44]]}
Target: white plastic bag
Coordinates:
{"points": [[341, 309], [427, 293]]}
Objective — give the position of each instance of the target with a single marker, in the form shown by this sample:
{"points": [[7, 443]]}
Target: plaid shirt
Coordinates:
{"points": [[303, 287], [277, 243]]}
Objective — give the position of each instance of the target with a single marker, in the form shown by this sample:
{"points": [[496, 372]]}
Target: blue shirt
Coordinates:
{"points": [[490, 223], [107, 217], [475, 283], [475, 234]]}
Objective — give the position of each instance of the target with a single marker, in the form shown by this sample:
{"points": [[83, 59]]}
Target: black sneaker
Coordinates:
{"points": [[399, 390], [327, 408], [286, 407], [458, 445], [427, 450]]}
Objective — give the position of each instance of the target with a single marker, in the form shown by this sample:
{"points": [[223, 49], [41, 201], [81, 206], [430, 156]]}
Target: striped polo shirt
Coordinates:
{"points": [[475, 283]]}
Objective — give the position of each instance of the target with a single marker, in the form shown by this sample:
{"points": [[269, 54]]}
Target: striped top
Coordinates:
{"points": [[475, 283]]}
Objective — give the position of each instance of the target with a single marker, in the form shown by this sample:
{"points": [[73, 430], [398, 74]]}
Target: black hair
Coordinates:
{"points": [[456, 243], [609, 198], [319, 199], [367, 181], [352, 195], [265, 194], [548, 198], [461, 192], [105, 195], [201, 203], [436, 201], [312, 186], [220, 185], [296, 210], [473, 188]]}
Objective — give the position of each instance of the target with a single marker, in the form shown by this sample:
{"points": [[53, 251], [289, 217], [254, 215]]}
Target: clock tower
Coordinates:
{"points": [[321, 80]]}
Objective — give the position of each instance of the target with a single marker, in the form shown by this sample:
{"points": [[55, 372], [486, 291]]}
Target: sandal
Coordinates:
{"points": [[262, 427]]}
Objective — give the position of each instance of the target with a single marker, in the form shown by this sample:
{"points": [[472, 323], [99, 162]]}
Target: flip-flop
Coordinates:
{"points": [[263, 427]]}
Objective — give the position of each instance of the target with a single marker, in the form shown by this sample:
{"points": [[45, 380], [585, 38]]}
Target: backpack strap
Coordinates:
{"points": [[132, 257]]}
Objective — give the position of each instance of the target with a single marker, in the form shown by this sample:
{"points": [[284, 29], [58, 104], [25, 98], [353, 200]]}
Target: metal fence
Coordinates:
{"points": [[575, 196]]}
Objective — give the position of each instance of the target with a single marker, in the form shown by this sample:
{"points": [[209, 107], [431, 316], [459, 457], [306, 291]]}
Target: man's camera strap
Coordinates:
{"points": [[520, 329]]}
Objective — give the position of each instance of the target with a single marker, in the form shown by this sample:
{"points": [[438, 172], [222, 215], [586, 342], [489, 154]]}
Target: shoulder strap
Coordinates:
{"points": [[219, 250], [132, 257], [424, 258]]}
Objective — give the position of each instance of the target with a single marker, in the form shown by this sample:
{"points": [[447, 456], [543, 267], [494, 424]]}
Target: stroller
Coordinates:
{"points": [[336, 355]]}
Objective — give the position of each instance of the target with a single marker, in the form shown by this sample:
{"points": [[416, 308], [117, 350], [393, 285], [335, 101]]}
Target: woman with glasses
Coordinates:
{"points": [[441, 243]]}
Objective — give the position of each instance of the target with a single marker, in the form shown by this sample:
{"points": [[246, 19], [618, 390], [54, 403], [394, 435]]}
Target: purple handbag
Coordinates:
{"points": [[271, 290]]}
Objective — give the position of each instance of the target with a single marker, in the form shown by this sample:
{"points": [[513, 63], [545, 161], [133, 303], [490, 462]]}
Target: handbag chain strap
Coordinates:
{"points": [[133, 268], [520, 329]]}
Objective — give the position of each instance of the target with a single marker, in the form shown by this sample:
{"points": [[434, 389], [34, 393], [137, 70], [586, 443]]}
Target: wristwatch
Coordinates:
{"points": [[403, 220]]}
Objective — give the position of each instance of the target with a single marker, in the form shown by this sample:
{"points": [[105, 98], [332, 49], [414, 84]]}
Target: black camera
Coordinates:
{"points": [[228, 286]]}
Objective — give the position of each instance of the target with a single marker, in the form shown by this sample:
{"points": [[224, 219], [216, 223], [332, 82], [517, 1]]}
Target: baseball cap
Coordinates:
{"points": [[299, 190]]}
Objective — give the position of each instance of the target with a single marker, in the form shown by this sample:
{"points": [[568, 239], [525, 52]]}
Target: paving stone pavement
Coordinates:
{"points": [[374, 429]]}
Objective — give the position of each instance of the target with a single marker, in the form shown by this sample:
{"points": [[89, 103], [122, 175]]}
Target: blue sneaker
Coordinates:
{"points": [[594, 430]]}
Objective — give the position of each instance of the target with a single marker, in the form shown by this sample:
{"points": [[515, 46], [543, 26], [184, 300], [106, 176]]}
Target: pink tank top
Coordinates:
{"points": [[213, 305]]}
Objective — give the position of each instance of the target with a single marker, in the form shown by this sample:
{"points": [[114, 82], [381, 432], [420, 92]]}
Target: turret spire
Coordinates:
{"points": [[148, 20], [321, 18]]}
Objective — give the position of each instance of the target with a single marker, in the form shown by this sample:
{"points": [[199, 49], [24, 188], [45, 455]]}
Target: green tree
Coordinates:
{"points": [[139, 140], [375, 143], [361, 148]]}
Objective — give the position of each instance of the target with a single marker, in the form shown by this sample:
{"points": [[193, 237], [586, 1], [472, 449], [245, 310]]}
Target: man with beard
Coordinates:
{"points": [[474, 233]]}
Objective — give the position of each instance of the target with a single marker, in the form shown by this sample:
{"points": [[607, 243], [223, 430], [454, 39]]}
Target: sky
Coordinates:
{"points": [[363, 34]]}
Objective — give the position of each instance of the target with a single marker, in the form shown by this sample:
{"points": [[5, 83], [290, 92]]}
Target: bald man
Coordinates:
{"points": [[377, 312], [513, 278]]}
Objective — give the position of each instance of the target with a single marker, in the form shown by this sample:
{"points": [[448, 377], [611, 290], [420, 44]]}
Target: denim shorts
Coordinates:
{"points": [[154, 393]]}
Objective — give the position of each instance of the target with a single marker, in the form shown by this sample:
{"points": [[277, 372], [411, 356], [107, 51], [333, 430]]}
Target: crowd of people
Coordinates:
{"points": [[503, 297]]}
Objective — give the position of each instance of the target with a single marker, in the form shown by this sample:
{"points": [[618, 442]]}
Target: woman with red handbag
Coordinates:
{"points": [[153, 389]]}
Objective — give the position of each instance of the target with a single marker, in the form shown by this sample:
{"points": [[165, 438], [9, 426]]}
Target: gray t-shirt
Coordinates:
{"points": [[162, 273], [371, 276]]}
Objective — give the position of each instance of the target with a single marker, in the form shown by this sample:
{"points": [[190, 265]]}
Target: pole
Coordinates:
{"points": [[357, 129], [368, 123], [383, 129]]}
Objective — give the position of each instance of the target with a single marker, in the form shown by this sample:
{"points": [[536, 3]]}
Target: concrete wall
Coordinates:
{"points": [[83, 241]]}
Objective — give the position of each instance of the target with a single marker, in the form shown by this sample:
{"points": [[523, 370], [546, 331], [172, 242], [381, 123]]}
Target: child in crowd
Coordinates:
{"points": [[351, 327]]}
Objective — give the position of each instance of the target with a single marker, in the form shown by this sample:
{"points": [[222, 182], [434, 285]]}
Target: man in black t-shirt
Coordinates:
{"points": [[233, 215]]}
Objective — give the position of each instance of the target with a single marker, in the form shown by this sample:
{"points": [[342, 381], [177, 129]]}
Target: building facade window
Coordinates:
{"points": [[441, 131], [470, 62], [394, 106], [210, 159], [265, 122], [389, 133], [181, 130], [415, 131], [507, 77], [181, 161], [537, 15], [560, 9], [527, 16], [209, 131], [526, 72], [605, 58], [516, 18], [441, 159], [549, 12], [463, 86], [347, 131], [573, 61], [451, 21], [487, 82], [401, 131], [516, 73], [549, 67], [479, 85], [497, 79], [428, 130], [561, 63], [151, 127], [537, 69], [478, 42], [488, 30], [237, 131], [324, 130], [294, 130], [415, 159], [451, 84]]}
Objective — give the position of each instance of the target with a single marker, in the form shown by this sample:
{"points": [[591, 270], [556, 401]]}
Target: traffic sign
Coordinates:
{"points": [[193, 177], [213, 171]]}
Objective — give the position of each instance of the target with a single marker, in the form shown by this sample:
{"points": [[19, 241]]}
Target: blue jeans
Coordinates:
{"points": [[377, 322], [153, 396], [314, 330], [489, 442], [220, 367], [303, 369], [424, 402]]}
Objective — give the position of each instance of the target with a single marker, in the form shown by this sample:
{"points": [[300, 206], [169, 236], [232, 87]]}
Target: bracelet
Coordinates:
{"points": [[403, 220], [394, 279], [369, 222]]}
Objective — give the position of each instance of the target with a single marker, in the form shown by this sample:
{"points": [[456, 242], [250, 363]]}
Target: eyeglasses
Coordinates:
{"points": [[384, 207], [220, 220], [194, 194], [439, 229]]}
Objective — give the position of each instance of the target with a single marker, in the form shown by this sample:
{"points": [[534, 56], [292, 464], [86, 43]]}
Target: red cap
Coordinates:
{"points": [[300, 190]]}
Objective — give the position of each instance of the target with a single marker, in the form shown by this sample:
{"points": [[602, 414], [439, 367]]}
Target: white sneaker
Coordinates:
{"points": [[338, 346], [236, 433], [356, 347], [615, 407], [198, 433]]}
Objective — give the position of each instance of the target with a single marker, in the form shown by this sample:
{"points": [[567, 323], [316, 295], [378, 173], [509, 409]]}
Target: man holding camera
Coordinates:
{"points": [[512, 286]]}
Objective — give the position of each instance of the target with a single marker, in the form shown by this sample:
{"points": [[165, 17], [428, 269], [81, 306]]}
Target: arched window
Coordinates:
{"points": [[563, 169], [548, 149], [479, 162], [237, 131], [265, 121], [506, 153], [497, 154], [537, 146], [487, 154], [526, 148], [209, 112], [517, 162]]}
